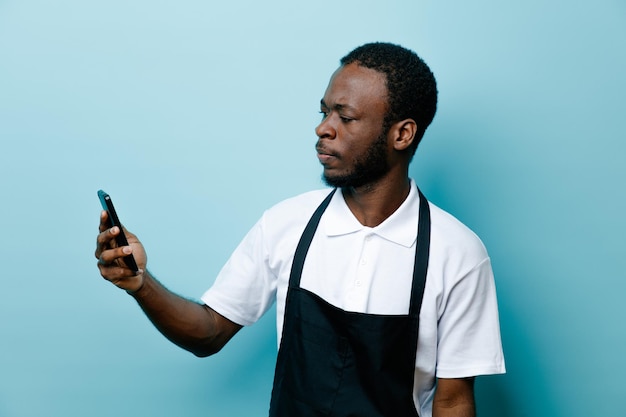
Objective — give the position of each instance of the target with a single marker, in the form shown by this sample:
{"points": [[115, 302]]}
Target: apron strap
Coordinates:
{"points": [[421, 256], [305, 242]]}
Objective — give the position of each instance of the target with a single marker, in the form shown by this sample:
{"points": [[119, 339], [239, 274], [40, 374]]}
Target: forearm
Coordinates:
{"points": [[458, 410], [454, 398], [188, 324]]}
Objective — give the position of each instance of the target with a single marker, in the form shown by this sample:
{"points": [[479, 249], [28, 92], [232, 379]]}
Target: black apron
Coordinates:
{"points": [[337, 363]]}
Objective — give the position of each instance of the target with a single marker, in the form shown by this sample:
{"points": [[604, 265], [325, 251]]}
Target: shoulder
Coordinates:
{"points": [[293, 212], [302, 205], [453, 242]]}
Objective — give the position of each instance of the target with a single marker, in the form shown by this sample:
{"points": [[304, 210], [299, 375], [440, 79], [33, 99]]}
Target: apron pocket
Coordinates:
{"points": [[314, 367]]}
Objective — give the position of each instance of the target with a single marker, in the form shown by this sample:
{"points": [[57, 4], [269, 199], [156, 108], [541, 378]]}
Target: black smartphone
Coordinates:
{"points": [[120, 239]]}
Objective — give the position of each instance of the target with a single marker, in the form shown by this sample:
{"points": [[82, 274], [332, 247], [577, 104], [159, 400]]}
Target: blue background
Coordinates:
{"points": [[196, 116]]}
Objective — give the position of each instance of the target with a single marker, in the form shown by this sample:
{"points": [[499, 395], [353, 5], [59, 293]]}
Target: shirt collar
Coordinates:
{"points": [[400, 227]]}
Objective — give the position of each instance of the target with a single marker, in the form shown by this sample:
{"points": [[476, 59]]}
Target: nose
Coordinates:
{"points": [[326, 130]]}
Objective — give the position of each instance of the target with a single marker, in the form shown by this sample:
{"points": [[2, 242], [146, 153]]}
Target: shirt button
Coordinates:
{"points": [[358, 282], [363, 261]]}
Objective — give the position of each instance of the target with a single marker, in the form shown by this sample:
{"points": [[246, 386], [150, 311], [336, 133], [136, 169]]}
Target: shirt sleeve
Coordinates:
{"points": [[469, 341], [245, 288]]}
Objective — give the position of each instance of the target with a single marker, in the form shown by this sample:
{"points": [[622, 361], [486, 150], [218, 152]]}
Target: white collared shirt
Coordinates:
{"points": [[370, 270]]}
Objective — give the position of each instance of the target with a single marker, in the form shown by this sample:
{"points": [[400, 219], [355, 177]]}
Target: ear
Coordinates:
{"points": [[403, 134]]}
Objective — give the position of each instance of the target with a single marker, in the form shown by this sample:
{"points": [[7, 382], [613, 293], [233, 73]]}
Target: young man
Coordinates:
{"points": [[386, 304]]}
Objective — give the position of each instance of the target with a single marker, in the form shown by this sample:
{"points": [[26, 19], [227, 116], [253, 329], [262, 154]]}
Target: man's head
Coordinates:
{"points": [[411, 86], [375, 110]]}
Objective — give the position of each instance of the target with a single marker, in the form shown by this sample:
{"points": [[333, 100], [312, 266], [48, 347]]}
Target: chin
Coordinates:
{"points": [[341, 181]]}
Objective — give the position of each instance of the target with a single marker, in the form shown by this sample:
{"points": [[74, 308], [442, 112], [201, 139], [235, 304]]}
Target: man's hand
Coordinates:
{"points": [[109, 255]]}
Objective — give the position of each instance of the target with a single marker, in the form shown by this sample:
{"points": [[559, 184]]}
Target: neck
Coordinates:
{"points": [[373, 203]]}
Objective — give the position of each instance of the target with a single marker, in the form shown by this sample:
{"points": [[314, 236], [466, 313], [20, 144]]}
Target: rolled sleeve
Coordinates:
{"points": [[245, 287]]}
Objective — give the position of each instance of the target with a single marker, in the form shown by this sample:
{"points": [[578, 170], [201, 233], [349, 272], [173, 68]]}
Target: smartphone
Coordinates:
{"points": [[120, 239]]}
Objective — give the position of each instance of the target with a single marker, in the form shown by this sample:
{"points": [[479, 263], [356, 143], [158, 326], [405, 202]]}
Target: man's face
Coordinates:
{"points": [[352, 143]]}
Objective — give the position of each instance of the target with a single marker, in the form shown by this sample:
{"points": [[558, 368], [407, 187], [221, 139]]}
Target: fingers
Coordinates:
{"points": [[105, 239], [120, 276], [109, 256], [104, 221], [114, 272], [113, 269]]}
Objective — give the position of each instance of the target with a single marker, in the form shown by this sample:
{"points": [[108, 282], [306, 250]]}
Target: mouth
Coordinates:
{"points": [[324, 155]]}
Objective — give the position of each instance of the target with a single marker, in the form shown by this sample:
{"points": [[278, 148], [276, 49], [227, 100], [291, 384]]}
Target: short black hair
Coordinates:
{"points": [[411, 84]]}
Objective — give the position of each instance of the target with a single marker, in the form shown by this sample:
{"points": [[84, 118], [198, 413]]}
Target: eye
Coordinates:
{"points": [[346, 119], [324, 114]]}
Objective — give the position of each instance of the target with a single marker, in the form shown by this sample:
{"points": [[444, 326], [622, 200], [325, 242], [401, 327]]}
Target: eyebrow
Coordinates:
{"points": [[337, 106]]}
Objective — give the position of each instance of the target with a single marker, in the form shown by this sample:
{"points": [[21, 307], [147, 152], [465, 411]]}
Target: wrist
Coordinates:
{"points": [[137, 292]]}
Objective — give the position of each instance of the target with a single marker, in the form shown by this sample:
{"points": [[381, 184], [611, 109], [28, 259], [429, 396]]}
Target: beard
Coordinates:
{"points": [[366, 169]]}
